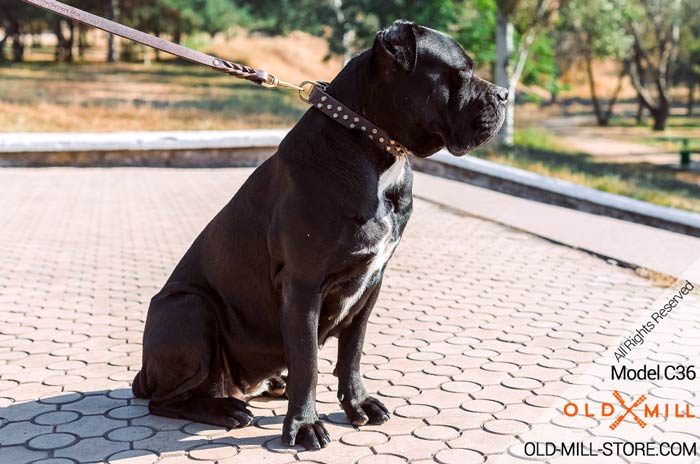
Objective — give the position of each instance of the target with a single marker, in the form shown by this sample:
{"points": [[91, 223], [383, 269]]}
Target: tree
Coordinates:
{"points": [[14, 17], [113, 14], [688, 68], [524, 19], [599, 30], [655, 28]]}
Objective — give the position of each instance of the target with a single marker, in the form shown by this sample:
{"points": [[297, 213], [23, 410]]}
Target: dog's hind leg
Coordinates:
{"points": [[181, 373]]}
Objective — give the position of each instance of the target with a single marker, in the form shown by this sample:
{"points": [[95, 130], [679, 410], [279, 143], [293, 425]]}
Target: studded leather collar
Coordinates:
{"points": [[353, 121]]}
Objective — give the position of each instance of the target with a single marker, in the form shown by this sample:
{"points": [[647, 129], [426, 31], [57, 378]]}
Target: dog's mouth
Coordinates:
{"points": [[487, 133]]}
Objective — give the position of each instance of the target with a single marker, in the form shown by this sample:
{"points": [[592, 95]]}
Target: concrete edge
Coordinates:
{"points": [[567, 188], [139, 141], [223, 148]]}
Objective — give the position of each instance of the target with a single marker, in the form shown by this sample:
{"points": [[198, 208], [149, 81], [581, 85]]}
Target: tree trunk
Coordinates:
{"points": [[660, 114], [504, 50], [594, 95], [112, 44], [70, 43], [346, 35], [2, 46], [639, 115], [17, 45], [60, 40], [691, 99], [613, 99], [82, 40]]}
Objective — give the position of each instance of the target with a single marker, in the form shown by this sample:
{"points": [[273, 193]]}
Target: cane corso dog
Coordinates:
{"points": [[297, 256]]}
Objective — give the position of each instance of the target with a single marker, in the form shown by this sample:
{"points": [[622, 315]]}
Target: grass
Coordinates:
{"points": [[626, 128], [538, 151], [97, 97], [674, 122]]}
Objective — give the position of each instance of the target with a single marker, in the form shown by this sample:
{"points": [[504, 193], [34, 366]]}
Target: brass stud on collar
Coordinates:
{"points": [[374, 131], [356, 119], [340, 108], [352, 126], [320, 105], [345, 116], [335, 115], [381, 139], [363, 128], [324, 98], [330, 107]]}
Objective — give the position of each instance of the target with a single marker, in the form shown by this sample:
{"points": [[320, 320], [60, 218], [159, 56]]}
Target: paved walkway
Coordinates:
{"points": [[580, 133], [659, 250], [481, 335]]}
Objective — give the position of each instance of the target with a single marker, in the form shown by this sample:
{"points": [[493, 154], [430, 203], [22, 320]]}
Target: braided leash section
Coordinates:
{"points": [[242, 71]]}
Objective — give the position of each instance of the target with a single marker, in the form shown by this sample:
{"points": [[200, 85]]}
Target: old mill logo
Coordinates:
{"points": [[678, 410]]}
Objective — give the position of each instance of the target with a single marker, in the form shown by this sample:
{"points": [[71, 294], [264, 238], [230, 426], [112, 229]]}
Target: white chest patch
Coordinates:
{"points": [[384, 247]]}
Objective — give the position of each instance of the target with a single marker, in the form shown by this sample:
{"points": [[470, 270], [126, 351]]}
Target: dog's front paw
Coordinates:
{"points": [[307, 432], [367, 411]]}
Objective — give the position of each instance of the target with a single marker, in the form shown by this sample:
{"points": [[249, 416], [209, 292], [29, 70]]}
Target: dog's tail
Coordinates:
{"points": [[138, 386]]}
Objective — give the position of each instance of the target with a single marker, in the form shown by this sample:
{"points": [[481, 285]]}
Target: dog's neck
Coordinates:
{"points": [[356, 89]]}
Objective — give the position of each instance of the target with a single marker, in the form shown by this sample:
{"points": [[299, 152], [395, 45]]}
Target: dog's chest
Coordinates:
{"points": [[379, 240]]}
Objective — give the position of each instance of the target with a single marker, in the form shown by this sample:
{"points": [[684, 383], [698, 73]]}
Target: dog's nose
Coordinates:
{"points": [[502, 94]]}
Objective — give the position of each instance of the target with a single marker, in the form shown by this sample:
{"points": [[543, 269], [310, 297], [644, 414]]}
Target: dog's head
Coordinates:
{"points": [[439, 100]]}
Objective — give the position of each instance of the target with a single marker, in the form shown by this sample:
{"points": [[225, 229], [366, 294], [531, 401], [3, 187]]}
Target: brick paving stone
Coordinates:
{"points": [[16, 433], [488, 406], [436, 432], [91, 449], [382, 459], [127, 412], [364, 438], [456, 417], [399, 391], [212, 452], [410, 447], [91, 426], [506, 426], [13, 454], [130, 433], [416, 411], [95, 404], [475, 345], [51, 441], [133, 457], [459, 456]]}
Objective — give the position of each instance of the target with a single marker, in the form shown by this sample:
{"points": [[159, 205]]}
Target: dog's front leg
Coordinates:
{"points": [[360, 407], [300, 312]]}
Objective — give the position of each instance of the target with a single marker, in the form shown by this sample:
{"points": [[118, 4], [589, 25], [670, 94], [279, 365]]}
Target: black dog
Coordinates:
{"points": [[298, 254]]}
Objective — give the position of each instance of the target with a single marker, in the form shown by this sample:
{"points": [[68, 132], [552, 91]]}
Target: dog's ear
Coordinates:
{"points": [[396, 45]]}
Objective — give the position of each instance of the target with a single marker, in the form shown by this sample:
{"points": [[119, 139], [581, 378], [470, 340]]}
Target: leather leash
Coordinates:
{"points": [[316, 90]]}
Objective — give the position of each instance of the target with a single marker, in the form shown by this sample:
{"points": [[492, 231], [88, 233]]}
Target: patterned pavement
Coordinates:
{"points": [[481, 335]]}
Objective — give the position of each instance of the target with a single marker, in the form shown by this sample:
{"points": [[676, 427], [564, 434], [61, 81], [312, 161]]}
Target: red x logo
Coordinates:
{"points": [[637, 419]]}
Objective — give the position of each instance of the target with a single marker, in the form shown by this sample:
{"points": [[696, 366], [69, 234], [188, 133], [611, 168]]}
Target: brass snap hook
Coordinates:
{"points": [[273, 82], [305, 89]]}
